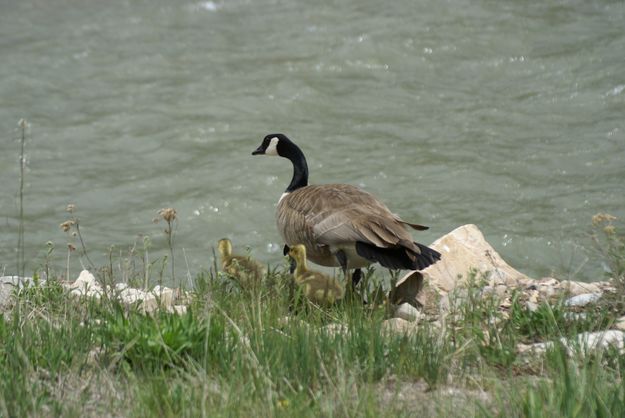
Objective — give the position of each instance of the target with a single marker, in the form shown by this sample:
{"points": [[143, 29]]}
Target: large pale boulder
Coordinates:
{"points": [[465, 249]]}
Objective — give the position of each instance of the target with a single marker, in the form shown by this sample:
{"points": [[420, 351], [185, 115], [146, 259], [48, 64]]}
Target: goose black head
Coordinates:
{"points": [[272, 145]]}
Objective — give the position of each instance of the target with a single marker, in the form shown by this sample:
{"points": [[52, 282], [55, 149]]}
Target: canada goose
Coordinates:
{"points": [[318, 287], [247, 271], [340, 224]]}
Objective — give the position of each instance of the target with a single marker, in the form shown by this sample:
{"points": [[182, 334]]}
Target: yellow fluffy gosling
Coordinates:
{"points": [[318, 287], [247, 271]]}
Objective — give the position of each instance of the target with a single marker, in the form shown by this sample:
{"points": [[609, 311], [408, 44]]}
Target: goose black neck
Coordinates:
{"points": [[300, 168]]}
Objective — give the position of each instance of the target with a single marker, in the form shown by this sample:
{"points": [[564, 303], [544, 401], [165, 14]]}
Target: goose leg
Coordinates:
{"points": [[292, 265], [342, 259]]}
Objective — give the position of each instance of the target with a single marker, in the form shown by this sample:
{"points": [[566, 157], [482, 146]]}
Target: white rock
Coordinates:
{"points": [[164, 294], [575, 316], [408, 312], [620, 323], [531, 306], [583, 299], [120, 286], [18, 281], [177, 309], [578, 288], [86, 285], [464, 249], [336, 328], [409, 289], [583, 343], [399, 325]]}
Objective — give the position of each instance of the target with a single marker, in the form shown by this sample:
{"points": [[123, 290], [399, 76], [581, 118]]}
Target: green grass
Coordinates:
{"points": [[269, 353], [233, 354]]}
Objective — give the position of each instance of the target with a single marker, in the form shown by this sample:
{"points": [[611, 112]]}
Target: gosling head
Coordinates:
{"points": [[298, 252], [273, 144], [225, 247]]}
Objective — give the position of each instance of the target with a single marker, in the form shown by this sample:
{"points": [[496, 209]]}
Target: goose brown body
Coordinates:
{"points": [[331, 217]]}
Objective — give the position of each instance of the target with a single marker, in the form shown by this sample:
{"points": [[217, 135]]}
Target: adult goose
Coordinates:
{"points": [[340, 224]]}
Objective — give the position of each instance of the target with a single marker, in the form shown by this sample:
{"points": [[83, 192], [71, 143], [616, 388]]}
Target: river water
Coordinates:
{"points": [[506, 114]]}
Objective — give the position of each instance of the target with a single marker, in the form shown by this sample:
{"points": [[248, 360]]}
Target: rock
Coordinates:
{"points": [[464, 249], [620, 323], [149, 301], [120, 286], [575, 316], [86, 285], [583, 299], [408, 312], [165, 295], [399, 326], [8, 285], [19, 282], [546, 286], [409, 289], [531, 306], [335, 328], [583, 343], [6, 296], [577, 288], [177, 309]]}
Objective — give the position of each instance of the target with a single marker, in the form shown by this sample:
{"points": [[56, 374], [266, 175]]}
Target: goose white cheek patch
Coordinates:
{"points": [[272, 148]]}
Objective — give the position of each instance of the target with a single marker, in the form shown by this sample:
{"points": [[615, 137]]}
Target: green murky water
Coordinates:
{"points": [[506, 114]]}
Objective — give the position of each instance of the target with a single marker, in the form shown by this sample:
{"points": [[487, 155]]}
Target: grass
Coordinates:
{"points": [[259, 353], [234, 354]]}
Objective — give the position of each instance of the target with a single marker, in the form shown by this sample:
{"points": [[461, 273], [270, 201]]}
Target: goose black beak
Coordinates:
{"points": [[259, 151]]}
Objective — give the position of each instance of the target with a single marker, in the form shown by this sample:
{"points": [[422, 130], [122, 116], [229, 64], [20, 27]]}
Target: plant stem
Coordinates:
{"points": [[20, 234], [170, 236], [82, 244]]}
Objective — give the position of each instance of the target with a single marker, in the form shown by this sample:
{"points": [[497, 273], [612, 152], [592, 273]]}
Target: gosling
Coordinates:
{"points": [[318, 287], [245, 270]]}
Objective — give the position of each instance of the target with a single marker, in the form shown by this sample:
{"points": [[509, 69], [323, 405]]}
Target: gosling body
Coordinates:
{"points": [[316, 286], [245, 270]]}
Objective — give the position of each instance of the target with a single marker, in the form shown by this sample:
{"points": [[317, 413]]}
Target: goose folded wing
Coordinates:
{"points": [[346, 226]]}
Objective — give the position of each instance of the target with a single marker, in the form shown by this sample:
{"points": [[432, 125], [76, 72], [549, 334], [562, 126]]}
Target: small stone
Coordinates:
{"points": [[531, 306], [583, 299], [620, 323], [177, 309], [164, 294], [398, 325], [408, 312], [336, 328], [575, 316], [120, 286]]}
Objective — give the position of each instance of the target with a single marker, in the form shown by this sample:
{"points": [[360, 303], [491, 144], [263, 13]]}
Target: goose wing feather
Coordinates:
{"points": [[338, 213]]}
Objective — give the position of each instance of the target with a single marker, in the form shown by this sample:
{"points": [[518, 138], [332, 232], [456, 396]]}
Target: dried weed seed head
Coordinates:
{"points": [[168, 214], [71, 247], [600, 218], [70, 208], [67, 225]]}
